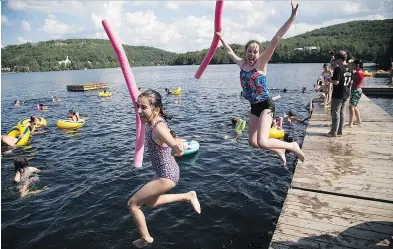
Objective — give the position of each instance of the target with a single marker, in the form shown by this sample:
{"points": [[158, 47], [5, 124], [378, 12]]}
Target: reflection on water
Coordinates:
{"points": [[89, 171]]}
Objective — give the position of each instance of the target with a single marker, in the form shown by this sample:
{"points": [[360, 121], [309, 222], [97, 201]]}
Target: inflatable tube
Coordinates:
{"points": [[275, 133], [133, 90], [107, 94], [215, 42], [177, 91], [22, 133], [26, 122], [68, 124], [367, 73], [191, 147]]}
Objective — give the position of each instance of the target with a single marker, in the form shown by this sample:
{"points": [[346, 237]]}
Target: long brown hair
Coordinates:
{"points": [[155, 100]]}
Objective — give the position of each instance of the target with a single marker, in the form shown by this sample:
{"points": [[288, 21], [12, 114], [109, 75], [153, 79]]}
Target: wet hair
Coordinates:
{"points": [[291, 113], [358, 62], [155, 100], [234, 121], [251, 42], [33, 119], [20, 163], [173, 133], [325, 65], [16, 101]]}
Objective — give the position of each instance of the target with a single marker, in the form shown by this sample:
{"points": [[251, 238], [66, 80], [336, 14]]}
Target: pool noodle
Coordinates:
{"points": [[132, 88], [215, 42]]}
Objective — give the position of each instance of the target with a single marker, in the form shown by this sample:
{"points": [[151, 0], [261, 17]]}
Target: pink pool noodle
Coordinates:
{"points": [[215, 42], [132, 88]]}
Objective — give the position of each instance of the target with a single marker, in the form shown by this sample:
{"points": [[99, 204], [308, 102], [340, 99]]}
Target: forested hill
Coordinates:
{"points": [[368, 40], [83, 53]]}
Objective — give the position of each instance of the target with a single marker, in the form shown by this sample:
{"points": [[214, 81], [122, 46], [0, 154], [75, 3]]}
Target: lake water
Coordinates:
{"points": [[90, 175]]}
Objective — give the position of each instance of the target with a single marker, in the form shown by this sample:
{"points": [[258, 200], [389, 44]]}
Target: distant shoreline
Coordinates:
{"points": [[169, 66]]}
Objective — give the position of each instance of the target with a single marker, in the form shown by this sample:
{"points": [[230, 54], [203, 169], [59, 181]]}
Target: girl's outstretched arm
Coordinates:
{"points": [[268, 53], [230, 52], [162, 133]]}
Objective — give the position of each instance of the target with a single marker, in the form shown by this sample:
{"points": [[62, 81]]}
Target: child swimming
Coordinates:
{"points": [[162, 147], [22, 175], [253, 82]]}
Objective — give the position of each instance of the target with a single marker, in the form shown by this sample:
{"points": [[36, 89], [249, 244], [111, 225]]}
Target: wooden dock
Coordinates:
{"points": [[342, 195], [86, 87], [385, 91]]}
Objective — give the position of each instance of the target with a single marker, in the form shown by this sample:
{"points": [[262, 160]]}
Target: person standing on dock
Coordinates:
{"points": [[341, 80], [356, 93]]}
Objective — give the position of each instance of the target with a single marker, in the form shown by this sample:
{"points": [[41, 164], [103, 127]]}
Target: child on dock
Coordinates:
{"points": [[253, 82], [162, 148]]}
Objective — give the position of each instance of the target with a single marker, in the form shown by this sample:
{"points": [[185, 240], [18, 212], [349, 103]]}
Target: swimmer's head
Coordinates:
{"points": [[291, 114], [234, 121], [20, 163], [33, 119]]}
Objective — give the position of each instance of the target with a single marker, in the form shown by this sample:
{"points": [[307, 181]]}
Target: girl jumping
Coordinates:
{"points": [[162, 148], [253, 81]]}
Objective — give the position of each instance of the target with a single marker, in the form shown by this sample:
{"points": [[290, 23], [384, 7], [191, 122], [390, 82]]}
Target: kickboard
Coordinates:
{"points": [[191, 147]]}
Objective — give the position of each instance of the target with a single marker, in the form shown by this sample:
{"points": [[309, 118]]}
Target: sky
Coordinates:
{"points": [[176, 26]]}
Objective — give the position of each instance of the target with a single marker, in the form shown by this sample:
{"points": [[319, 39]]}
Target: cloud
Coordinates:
{"points": [[53, 27], [171, 5], [4, 19], [48, 7], [21, 40], [144, 3], [25, 26], [110, 11]]}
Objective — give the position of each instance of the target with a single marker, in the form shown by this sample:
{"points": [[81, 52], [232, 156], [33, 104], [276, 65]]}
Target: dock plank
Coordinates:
{"points": [[342, 195]]}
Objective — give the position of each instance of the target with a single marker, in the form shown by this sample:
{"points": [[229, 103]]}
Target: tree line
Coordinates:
{"points": [[371, 41]]}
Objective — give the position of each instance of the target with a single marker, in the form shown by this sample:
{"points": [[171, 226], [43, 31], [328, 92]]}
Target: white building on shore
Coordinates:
{"points": [[66, 61]]}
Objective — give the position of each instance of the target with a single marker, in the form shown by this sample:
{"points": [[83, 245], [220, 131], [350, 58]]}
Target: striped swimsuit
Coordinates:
{"points": [[163, 162]]}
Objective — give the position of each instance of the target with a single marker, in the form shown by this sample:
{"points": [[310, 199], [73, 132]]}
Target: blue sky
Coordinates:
{"points": [[177, 26]]}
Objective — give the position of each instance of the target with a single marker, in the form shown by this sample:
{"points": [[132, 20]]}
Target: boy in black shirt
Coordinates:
{"points": [[342, 77]]}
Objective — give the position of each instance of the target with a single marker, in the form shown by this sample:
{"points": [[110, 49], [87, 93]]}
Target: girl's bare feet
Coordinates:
{"points": [[281, 155], [142, 242], [194, 202], [299, 153]]}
